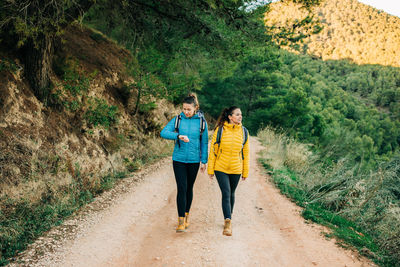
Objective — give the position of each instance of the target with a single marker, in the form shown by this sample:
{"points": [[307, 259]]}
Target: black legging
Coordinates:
{"points": [[227, 184], [185, 176]]}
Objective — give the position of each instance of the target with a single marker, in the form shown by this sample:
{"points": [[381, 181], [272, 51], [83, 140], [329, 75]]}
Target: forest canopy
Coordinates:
{"points": [[33, 27]]}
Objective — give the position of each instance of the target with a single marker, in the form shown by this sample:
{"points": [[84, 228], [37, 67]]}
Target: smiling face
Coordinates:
{"points": [[188, 110], [235, 117]]}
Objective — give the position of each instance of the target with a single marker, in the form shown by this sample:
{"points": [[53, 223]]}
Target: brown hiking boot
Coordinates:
{"points": [[227, 228], [187, 220], [181, 225]]}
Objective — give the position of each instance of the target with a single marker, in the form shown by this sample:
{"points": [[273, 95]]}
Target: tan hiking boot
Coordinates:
{"points": [[187, 220], [181, 225], [227, 227]]}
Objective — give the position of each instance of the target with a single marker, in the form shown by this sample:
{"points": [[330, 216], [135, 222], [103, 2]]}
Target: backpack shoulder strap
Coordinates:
{"points": [[177, 122], [245, 135], [219, 135], [202, 125], [202, 121], [218, 139]]}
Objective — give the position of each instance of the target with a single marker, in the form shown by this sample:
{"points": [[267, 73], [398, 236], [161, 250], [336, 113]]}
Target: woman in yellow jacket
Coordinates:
{"points": [[229, 159]]}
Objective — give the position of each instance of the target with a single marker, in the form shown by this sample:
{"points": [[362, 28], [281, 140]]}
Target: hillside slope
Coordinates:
{"points": [[29, 128], [352, 30], [56, 157]]}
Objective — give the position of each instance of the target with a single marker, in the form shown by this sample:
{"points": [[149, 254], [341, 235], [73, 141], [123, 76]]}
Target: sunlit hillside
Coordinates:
{"points": [[351, 30]]}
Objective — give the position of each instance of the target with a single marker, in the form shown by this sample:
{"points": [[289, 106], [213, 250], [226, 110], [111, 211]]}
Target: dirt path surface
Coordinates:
{"points": [[138, 229]]}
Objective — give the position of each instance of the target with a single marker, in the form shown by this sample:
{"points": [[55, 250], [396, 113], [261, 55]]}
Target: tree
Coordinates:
{"points": [[32, 27], [195, 38]]}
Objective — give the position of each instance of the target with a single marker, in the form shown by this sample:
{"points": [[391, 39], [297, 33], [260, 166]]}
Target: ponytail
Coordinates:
{"points": [[224, 116]]}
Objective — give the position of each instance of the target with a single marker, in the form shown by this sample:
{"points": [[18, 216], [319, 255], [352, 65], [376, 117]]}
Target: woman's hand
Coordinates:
{"points": [[184, 138], [211, 176], [202, 167], [244, 178]]}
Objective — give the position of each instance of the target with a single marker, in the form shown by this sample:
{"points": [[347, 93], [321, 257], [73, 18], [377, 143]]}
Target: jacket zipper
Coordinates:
{"points": [[187, 147]]}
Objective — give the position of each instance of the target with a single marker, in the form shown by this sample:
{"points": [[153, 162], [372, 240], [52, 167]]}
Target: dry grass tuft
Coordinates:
{"points": [[369, 198], [283, 151]]}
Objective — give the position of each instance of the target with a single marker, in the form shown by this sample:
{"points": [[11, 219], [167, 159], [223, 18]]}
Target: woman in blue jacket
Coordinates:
{"points": [[190, 132]]}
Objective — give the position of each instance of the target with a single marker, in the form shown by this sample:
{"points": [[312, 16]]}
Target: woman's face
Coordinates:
{"points": [[235, 117], [188, 109]]}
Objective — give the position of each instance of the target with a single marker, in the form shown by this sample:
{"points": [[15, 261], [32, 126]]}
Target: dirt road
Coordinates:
{"points": [[138, 229]]}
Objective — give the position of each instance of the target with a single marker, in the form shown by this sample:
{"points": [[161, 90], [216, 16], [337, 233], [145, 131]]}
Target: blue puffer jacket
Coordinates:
{"points": [[192, 151]]}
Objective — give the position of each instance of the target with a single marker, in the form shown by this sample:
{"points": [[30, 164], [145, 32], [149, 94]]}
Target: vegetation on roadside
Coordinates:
{"points": [[361, 208], [99, 113], [39, 203], [73, 95]]}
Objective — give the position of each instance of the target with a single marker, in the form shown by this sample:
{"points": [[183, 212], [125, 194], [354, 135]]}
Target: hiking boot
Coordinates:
{"points": [[181, 225], [187, 220], [227, 228]]}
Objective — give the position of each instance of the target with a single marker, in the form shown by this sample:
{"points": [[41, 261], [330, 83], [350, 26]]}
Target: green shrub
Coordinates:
{"points": [[75, 83], [147, 107], [8, 65], [99, 113], [134, 165]]}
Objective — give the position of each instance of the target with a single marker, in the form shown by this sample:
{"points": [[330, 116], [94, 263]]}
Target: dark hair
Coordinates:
{"points": [[224, 116], [191, 98]]}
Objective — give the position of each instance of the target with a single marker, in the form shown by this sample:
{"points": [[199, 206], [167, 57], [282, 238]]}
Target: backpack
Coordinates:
{"points": [[245, 135], [178, 119]]}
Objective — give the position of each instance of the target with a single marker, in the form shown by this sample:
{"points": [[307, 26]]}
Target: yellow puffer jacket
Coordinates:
{"points": [[228, 158]]}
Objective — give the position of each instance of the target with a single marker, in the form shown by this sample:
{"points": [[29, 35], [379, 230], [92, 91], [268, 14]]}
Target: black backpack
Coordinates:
{"points": [[202, 124], [245, 134]]}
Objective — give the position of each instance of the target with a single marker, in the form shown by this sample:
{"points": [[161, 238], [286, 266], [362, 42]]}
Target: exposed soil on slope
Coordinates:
{"points": [[45, 144]]}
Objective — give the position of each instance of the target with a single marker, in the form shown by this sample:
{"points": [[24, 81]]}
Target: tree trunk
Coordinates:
{"points": [[38, 53], [38, 58], [137, 100]]}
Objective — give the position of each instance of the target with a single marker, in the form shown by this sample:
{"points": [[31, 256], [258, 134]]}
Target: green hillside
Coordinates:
{"points": [[351, 30]]}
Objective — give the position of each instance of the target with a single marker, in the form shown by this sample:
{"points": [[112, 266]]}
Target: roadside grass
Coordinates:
{"points": [[347, 233], [22, 221], [315, 189], [38, 206]]}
